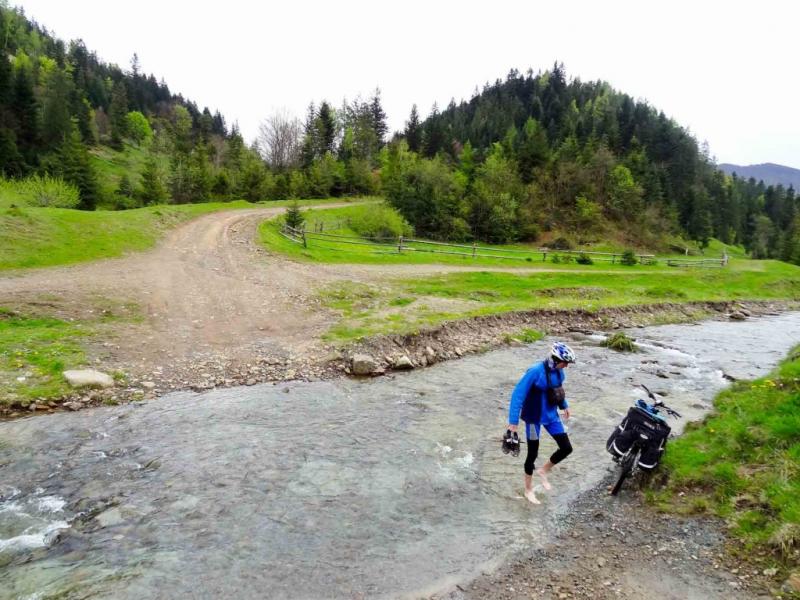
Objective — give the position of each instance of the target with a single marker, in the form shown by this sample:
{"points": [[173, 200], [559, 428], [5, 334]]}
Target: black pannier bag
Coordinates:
{"points": [[638, 421]]}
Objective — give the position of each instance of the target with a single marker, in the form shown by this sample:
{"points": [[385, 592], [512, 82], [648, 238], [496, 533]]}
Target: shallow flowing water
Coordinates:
{"points": [[388, 487]]}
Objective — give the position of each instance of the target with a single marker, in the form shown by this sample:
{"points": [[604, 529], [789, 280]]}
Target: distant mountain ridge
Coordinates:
{"points": [[769, 173]]}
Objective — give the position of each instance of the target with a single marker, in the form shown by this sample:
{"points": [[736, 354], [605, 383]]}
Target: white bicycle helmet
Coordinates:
{"points": [[562, 353]]}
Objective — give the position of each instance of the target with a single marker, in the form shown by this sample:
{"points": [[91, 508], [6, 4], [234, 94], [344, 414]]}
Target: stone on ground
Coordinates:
{"points": [[81, 378]]}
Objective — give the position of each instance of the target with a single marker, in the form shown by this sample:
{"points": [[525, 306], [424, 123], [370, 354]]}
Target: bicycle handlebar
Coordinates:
{"points": [[660, 403]]}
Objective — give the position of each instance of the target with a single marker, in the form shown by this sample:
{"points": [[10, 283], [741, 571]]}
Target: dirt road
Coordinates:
{"points": [[208, 306], [206, 302], [207, 291]]}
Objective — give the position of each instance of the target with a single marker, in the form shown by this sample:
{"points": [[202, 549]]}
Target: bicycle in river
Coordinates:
{"points": [[639, 441]]}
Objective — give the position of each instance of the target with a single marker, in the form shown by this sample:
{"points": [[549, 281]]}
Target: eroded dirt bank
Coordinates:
{"points": [[266, 361]]}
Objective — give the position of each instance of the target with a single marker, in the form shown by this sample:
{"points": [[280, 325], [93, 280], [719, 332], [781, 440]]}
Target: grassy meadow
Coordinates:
{"points": [[33, 353], [742, 463], [377, 220], [32, 237], [403, 304]]}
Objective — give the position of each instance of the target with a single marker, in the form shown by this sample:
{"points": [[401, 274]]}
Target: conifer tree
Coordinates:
{"points": [[433, 138], [6, 75], [26, 116], [74, 166], [200, 178], [56, 120], [11, 162], [234, 149], [413, 131], [117, 113], [309, 146], [125, 187], [326, 129], [378, 117], [294, 216], [152, 187]]}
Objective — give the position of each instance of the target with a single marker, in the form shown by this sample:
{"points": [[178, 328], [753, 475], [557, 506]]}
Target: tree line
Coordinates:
{"points": [[541, 151], [527, 154]]}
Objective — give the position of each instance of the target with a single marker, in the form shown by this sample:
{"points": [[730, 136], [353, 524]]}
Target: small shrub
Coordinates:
{"points": [[561, 243], [48, 191], [294, 216], [620, 342], [584, 259], [379, 222], [15, 211], [529, 232], [564, 259], [530, 335], [629, 258]]}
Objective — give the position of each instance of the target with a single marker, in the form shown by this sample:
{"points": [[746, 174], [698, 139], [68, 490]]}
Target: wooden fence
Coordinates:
{"points": [[402, 244], [704, 263]]}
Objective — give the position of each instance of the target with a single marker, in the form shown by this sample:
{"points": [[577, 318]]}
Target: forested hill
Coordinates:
{"points": [[529, 155], [769, 173], [542, 150], [59, 100]]}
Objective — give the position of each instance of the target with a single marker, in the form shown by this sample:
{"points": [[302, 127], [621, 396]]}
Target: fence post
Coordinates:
{"points": [[303, 232], [544, 256], [473, 249], [400, 244], [613, 258]]}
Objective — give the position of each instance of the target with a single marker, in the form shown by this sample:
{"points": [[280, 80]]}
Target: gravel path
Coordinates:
{"points": [[618, 548]]}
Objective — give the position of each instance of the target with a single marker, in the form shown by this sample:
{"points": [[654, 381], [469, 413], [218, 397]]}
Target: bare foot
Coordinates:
{"points": [[531, 497], [545, 483]]}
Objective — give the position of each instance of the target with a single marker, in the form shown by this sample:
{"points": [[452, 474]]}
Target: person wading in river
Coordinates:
{"points": [[537, 398]]}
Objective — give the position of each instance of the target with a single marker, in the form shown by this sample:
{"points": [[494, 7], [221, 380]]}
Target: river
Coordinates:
{"points": [[388, 487]]}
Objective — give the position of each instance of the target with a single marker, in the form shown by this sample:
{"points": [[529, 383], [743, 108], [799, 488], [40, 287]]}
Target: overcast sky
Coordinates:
{"points": [[726, 70]]}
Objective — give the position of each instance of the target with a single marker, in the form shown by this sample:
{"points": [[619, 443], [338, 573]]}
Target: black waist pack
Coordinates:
{"points": [[555, 396]]}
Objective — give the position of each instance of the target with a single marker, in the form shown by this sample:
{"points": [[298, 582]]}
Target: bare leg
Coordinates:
{"points": [[529, 494], [564, 450], [542, 472]]}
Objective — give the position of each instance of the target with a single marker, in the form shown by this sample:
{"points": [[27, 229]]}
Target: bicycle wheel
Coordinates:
{"points": [[626, 467]]}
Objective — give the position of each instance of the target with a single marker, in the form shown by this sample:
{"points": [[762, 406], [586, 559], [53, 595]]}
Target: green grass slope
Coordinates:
{"points": [[41, 237], [742, 463]]}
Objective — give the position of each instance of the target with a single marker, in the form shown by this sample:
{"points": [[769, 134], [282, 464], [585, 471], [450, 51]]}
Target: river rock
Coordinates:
{"points": [[110, 517], [403, 363], [793, 582], [737, 316], [364, 364], [80, 378], [430, 354]]}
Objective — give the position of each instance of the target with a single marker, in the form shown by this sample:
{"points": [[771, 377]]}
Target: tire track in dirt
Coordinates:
{"points": [[208, 293]]}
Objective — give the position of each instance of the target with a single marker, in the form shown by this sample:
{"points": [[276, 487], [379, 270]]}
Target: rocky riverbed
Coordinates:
{"points": [[449, 341], [609, 548]]}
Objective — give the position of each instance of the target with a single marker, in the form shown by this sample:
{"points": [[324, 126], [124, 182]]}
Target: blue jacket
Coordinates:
{"points": [[529, 397]]}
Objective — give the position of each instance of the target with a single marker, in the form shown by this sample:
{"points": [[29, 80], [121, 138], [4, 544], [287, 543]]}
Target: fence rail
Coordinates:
{"points": [[707, 263], [402, 244]]}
